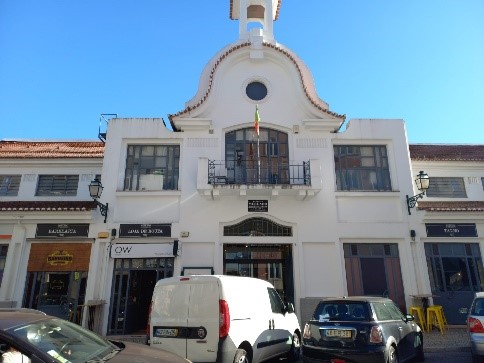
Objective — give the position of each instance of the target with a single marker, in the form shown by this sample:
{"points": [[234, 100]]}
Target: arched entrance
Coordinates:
{"points": [[267, 261]]}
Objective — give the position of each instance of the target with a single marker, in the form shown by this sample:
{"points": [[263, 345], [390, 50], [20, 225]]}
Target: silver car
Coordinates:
{"points": [[34, 337], [475, 326]]}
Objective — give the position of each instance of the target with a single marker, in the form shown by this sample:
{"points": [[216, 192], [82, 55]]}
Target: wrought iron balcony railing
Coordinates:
{"points": [[249, 172]]}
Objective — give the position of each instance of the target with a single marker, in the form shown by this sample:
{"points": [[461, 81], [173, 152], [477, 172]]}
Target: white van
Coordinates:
{"points": [[223, 319]]}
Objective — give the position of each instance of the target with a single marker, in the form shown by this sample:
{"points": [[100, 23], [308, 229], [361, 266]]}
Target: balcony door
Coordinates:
{"points": [[257, 160]]}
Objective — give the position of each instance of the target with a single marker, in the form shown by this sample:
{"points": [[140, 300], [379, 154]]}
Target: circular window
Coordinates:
{"points": [[256, 91]]}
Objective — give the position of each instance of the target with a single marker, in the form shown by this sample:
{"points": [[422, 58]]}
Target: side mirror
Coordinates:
{"points": [[409, 317]]}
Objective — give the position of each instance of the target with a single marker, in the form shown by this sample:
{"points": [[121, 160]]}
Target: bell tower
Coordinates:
{"points": [[256, 18]]}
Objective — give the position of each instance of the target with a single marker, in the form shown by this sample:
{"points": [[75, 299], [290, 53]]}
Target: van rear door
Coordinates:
{"points": [[203, 320], [169, 317]]}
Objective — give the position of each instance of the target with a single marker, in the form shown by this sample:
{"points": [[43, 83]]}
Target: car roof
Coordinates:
{"points": [[479, 294], [10, 318], [367, 299]]}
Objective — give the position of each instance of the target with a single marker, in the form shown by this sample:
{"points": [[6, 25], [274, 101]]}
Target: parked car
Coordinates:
{"points": [[220, 318], [36, 337], [475, 327], [361, 329]]}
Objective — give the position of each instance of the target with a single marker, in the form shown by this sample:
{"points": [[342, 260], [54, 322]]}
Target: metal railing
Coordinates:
{"points": [[249, 172]]}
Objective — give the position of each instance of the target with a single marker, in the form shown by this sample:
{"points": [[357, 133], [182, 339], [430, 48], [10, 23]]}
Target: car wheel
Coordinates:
{"points": [[241, 356], [420, 357], [295, 351], [392, 355]]}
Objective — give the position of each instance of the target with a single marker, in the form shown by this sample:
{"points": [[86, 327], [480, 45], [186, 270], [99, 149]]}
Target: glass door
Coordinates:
{"points": [[271, 263]]}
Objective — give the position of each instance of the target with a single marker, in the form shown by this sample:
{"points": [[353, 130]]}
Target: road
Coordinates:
{"points": [[430, 357]]}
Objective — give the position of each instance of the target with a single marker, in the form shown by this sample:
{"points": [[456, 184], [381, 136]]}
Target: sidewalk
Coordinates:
{"points": [[455, 338]]}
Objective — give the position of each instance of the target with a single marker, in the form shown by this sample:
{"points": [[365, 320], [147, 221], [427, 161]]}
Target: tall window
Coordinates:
{"points": [[266, 164], [9, 185], [3, 258], [447, 188], [363, 168], [152, 167], [57, 185]]}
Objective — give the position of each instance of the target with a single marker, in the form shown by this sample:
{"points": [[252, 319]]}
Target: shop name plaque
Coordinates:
{"points": [[62, 230], [145, 230], [258, 206], [451, 229]]}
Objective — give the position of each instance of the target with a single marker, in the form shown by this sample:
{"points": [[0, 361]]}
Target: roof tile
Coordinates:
{"points": [[471, 206], [449, 152], [51, 149], [48, 206]]}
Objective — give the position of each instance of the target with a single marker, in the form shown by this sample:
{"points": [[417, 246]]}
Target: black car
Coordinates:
{"points": [[361, 329], [31, 336]]}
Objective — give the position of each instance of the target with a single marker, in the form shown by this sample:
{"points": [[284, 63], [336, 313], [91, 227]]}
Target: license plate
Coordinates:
{"points": [[338, 333], [161, 332]]}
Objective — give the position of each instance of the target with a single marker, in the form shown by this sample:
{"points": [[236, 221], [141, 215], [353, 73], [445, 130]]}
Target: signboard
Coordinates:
{"points": [[451, 229], [141, 250], [258, 206], [144, 230], [59, 258], [62, 230]]}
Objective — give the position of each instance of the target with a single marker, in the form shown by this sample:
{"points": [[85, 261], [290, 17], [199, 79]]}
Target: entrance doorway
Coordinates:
{"points": [[57, 279], [456, 274], [374, 269], [272, 263], [133, 283], [56, 293]]}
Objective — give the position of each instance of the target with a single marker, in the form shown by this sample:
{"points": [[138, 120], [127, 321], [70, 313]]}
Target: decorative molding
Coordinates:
{"points": [[202, 142], [473, 180], [311, 143]]}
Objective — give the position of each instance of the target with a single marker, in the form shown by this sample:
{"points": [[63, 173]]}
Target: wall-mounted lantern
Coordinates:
{"points": [[423, 182], [95, 190]]}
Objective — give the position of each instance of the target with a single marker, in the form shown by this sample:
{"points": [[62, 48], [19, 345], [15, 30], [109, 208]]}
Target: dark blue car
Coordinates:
{"points": [[361, 329]]}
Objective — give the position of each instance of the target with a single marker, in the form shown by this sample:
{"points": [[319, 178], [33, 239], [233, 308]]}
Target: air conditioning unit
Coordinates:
{"points": [[151, 182]]}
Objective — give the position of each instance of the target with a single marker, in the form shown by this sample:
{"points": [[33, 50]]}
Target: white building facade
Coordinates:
{"points": [[314, 206]]}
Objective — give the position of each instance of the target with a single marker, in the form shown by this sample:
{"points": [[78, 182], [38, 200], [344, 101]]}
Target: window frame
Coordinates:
{"points": [[447, 187], [163, 160], [351, 173], [59, 185], [10, 185]]}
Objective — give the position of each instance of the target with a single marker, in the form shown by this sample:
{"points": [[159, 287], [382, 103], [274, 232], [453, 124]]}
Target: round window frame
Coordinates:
{"points": [[254, 81]]}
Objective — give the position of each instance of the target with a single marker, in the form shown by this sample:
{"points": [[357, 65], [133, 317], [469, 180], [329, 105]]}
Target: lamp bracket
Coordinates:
{"points": [[412, 201], [103, 208]]}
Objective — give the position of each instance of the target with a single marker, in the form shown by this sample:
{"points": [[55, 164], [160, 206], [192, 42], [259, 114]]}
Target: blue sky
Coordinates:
{"points": [[64, 63]]}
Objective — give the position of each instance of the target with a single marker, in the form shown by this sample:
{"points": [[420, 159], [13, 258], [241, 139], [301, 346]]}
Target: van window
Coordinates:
{"points": [[276, 302]]}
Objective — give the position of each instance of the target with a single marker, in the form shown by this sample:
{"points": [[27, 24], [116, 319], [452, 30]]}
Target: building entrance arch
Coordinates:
{"points": [[261, 259]]}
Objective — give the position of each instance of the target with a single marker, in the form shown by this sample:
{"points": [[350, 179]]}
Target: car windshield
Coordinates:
{"points": [[64, 341], [341, 310]]}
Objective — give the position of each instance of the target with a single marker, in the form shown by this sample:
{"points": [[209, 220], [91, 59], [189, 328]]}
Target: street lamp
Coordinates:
{"points": [[95, 190], [422, 181]]}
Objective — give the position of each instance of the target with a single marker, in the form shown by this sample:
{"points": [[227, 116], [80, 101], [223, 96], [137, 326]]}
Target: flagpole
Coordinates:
{"points": [[256, 124], [258, 156]]}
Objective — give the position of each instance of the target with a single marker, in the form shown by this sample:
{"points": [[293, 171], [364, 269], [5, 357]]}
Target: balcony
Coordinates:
{"points": [[252, 179]]}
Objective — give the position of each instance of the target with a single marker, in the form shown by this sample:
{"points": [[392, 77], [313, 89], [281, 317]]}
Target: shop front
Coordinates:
{"points": [[455, 268], [141, 257], [57, 271]]}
